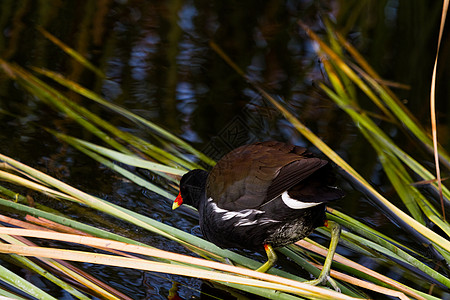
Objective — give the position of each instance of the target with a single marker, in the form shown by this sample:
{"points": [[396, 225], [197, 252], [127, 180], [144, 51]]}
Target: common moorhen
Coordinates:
{"points": [[268, 194]]}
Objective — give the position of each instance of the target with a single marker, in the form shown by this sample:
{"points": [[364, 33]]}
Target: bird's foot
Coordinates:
{"points": [[324, 276], [323, 279]]}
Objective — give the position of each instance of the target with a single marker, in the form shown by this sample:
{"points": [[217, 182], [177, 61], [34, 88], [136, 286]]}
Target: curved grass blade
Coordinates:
{"points": [[395, 171], [126, 113], [395, 107], [129, 159], [74, 54], [94, 151], [78, 144], [433, 108], [400, 179], [362, 120]]}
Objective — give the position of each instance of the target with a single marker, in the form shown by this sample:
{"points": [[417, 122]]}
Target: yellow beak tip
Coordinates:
{"points": [[175, 205]]}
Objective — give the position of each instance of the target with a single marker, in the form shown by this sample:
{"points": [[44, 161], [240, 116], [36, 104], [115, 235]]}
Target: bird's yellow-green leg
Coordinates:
{"points": [[324, 276], [271, 259]]}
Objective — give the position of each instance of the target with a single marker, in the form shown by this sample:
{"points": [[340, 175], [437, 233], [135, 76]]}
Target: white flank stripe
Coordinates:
{"points": [[240, 217], [295, 204], [229, 214]]}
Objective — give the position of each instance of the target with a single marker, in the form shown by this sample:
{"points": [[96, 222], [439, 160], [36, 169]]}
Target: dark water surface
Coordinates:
{"points": [[159, 65]]}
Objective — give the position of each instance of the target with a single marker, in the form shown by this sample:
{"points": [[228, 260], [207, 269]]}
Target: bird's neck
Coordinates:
{"points": [[197, 189]]}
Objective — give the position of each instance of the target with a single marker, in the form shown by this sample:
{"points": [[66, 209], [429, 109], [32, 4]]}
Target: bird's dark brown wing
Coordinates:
{"points": [[251, 175], [292, 174]]}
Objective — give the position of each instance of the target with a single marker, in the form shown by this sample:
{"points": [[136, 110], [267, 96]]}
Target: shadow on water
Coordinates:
{"points": [[158, 64]]}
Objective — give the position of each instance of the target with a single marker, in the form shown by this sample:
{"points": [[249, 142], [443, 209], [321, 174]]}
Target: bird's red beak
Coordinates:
{"points": [[178, 201]]}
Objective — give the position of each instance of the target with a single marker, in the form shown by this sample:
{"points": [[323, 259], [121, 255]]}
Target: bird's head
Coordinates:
{"points": [[192, 189]]}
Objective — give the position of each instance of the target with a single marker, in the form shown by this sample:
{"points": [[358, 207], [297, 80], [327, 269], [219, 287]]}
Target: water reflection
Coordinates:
{"points": [[158, 63]]}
